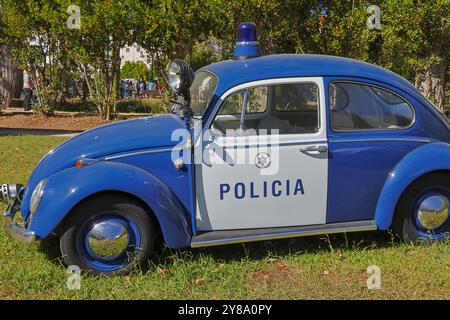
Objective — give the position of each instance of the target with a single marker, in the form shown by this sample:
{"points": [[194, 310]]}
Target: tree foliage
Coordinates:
{"points": [[136, 70], [414, 39]]}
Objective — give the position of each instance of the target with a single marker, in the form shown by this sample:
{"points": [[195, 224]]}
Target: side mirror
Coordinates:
{"points": [[180, 77]]}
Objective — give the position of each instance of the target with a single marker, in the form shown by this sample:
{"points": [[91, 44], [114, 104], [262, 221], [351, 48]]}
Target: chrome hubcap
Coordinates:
{"points": [[433, 211], [108, 239]]}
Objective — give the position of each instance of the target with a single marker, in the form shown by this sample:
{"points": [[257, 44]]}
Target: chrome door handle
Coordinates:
{"points": [[319, 149]]}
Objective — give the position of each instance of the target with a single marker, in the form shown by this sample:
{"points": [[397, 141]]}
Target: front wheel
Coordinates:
{"points": [[423, 211], [108, 234]]}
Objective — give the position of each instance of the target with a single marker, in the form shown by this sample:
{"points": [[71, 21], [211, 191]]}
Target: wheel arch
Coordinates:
{"points": [[419, 179], [73, 186], [119, 194], [428, 159]]}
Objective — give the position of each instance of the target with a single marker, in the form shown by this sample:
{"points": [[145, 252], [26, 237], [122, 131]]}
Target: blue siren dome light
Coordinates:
{"points": [[247, 45]]}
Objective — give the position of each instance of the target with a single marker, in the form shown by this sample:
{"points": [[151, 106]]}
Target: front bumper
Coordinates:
{"points": [[17, 231]]}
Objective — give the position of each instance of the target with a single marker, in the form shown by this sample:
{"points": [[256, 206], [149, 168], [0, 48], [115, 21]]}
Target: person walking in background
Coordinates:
{"points": [[130, 89], [125, 89], [27, 89], [142, 87]]}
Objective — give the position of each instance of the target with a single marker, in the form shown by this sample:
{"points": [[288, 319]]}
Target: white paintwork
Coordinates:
{"points": [[231, 213]]}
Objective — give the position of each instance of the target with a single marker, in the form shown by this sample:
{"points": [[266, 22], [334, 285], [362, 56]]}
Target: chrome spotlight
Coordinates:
{"points": [[10, 192]]}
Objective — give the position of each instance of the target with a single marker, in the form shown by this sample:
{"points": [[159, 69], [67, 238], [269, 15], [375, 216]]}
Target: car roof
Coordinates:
{"points": [[234, 72]]}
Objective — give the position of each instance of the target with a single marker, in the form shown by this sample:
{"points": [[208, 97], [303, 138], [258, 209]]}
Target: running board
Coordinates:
{"points": [[216, 238]]}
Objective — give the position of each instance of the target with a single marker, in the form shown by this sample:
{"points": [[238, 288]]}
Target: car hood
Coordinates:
{"points": [[128, 135]]}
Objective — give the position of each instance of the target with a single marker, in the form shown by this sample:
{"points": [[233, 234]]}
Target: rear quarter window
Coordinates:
{"points": [[363, 107]]}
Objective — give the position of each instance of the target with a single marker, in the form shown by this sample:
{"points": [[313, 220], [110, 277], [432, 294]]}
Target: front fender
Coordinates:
{"points": [[425, 159], [67, 188]]}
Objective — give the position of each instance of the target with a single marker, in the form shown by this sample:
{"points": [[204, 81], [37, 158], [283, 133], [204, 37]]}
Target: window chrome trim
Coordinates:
{"points": [[322, 104], [413, 122]]}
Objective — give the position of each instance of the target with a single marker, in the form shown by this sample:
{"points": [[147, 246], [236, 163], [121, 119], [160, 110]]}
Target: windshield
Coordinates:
{"points": [[202, 91]]}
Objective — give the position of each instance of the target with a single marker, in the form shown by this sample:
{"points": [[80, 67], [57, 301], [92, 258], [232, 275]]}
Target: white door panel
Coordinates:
{"points": [[291, 191]]}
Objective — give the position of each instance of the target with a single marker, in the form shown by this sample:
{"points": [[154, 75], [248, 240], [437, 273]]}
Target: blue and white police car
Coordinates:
{"points": [[255, 148]]}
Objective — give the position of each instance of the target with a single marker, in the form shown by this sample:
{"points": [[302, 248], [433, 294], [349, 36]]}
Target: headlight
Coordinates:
{"points": [[180, 76], [174, 76], [37, 196]]}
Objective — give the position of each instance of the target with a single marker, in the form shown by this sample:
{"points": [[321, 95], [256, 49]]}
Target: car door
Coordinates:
{"points": [[372, 127], [264, 157]]}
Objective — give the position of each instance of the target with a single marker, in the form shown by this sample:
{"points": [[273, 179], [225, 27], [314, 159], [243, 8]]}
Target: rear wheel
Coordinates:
{"points": [[423, 211], [108, 234]]}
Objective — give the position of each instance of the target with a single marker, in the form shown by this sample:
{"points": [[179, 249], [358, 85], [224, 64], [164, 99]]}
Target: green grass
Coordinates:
{"points": [[315, 267]]}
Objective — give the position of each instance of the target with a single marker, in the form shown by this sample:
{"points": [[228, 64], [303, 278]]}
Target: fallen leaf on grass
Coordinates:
{"points": [[126, 279], [281, 265], [219, 267], [162, 271]]}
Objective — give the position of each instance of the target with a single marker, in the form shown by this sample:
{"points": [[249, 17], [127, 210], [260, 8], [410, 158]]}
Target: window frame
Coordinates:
{"points": [[321, 98], [413, 122]]}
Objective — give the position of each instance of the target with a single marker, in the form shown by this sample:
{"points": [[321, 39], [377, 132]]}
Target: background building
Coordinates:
{"points": [[134, 53]]}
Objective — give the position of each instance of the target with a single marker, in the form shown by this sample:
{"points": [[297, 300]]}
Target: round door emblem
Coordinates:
{"points": [[262, 160]]}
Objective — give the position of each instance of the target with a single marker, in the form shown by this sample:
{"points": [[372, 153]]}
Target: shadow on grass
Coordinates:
{"points": [[255, 250], [279, 248]]}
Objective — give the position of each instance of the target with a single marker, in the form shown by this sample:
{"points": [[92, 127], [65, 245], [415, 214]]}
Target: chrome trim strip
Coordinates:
{"points": [[302, 231], [406, 139], [269, 145], [138, 153]]}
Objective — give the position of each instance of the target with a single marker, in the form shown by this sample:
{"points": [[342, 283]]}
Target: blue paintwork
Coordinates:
{"points": [[357, 164], [425, 159], [295, 65], [135, 134], [68, 187], [161, 166], [361, 161], [357, 173]]}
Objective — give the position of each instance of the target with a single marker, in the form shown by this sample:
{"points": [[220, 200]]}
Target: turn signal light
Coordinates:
{"points": [[84, 162]]}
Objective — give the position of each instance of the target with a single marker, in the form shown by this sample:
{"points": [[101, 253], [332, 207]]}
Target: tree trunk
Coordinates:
{"points": [[10, 78], [431, 82]]}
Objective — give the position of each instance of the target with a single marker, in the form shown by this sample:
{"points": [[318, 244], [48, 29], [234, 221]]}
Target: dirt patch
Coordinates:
{"points": [[57, 122], [274, 274]]}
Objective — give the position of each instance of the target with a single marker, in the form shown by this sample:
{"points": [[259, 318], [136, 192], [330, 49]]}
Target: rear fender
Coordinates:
{"points": [[422, 160]]}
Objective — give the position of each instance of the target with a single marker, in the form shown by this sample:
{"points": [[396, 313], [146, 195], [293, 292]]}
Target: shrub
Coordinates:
{"points": [[153, 106]]}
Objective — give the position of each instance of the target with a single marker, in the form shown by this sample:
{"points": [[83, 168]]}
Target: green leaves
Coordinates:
{"points": [[414, 35]]}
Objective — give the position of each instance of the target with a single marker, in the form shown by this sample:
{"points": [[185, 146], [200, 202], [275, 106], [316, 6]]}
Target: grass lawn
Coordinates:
{"points": [[319, 267]]}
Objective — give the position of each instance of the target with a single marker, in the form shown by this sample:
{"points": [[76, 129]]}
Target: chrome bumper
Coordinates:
{"points": [[16, 231]]}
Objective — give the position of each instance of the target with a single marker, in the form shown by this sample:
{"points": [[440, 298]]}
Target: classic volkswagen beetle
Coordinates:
{"points": [[289, 145]]}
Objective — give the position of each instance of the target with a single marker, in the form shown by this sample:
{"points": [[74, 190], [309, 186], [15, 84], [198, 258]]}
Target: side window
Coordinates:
{"points": [[281, 108], [233, 104], [355, 107]]}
